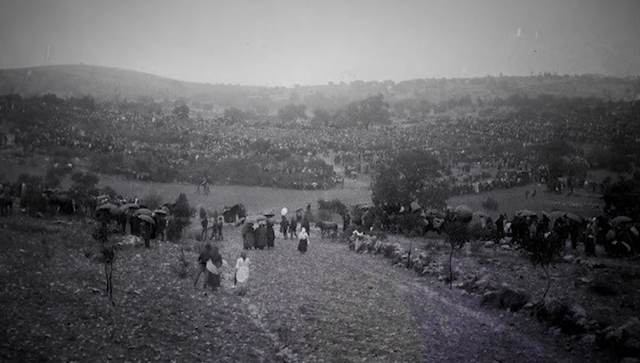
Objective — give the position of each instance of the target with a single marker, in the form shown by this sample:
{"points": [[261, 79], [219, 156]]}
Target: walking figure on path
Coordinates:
{"points": [[241, 278], [304, 241]]}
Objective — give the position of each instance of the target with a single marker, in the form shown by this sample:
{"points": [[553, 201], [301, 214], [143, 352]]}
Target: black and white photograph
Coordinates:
{"points": [[320, 181]]}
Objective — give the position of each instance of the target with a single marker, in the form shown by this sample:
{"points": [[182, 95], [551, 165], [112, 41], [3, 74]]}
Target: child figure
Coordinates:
{"points": [[242, 273]]}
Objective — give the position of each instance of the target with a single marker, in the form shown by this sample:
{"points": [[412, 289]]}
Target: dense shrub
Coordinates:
{"points": [[153, 200], [181, 218]]}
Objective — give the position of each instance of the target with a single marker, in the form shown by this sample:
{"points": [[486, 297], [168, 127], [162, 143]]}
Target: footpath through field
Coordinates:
{"points": [[333, 305]]}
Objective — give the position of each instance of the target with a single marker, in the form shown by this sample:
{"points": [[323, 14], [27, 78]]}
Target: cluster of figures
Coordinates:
{"points": [[260, 234], [212, 265], [137, 219]]}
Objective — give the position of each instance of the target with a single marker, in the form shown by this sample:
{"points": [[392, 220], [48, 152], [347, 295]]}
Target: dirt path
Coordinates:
{"points": [[331, 305]]}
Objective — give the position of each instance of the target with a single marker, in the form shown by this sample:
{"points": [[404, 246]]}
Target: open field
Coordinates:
{"points": [[583, 203], [255, 199], [330, 305], [285, 317]]}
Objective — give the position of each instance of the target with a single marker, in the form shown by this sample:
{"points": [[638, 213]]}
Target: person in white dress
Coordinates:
{"points": [[242, 273]]}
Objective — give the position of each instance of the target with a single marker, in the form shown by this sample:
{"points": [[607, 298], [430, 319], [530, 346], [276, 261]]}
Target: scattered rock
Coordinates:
{"points": [[588, 339], [485, 283], [489, 244], [625, 339], [551, 311], [568, 258], [505, 297], [506, 247], [528, 306]]}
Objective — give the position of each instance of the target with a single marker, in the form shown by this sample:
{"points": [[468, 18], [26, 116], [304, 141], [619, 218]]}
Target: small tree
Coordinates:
{"points": [[457, 235], [542, 251], [101, 234]]}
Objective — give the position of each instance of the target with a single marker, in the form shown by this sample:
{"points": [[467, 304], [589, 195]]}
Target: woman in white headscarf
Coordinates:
{"points": [[304, 240]]}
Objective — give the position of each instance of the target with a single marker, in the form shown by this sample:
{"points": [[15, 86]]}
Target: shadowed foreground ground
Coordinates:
{"points": [[330, 305]]}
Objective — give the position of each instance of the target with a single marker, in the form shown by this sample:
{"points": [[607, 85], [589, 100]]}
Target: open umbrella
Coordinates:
{"points": [[144, 211], [620, 219], [106, 206], [574, 217], [269, 214], [463, 212], [147, 218], [463, 209], [129, 206], [284, 211], [555, 214], [525, 213]]}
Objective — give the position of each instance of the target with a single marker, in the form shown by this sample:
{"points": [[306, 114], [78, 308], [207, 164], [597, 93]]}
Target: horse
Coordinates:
{"points": [[328, 228], [232, 214]]}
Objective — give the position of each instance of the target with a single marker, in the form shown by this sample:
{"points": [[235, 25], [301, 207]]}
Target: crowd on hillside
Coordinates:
{"points": [[176, 141]]}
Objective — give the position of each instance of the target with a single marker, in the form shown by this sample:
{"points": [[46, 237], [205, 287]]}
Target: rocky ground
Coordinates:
{"points": [[329, 305]]}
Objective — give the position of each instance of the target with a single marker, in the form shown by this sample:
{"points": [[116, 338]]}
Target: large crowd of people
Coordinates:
{"points": [[313, 150]]}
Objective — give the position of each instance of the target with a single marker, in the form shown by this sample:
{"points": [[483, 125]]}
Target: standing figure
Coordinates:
{"points": [[306, 225], [214, 264], [500, 227], [346, 221], [293, 228], [202, 262], [261, 236], [303, 242], [241, 279], [284, 227], [248, 236], [161, 224], [271, 235], [204, 222]]}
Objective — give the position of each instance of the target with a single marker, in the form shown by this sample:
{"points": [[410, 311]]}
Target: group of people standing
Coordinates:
{"points": [[211, 264], [261, 234], [290, 228], [259, 237]]}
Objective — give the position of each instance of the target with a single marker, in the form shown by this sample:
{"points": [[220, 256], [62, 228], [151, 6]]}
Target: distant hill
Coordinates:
{"points": [[105, 83]]}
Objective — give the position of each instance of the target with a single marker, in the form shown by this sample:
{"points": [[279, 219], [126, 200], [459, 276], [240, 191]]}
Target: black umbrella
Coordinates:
{"points": [[147, 218]]}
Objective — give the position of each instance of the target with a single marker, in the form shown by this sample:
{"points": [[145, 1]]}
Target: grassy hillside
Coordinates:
{"points": [[105, 83]]}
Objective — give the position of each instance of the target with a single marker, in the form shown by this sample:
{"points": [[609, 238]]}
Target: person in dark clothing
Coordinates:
{"points": [[346, 219], [213, 274], [248, 235], [284, 227], [261, 236], [271, 235], [500, 227], [293, 228], [202, 262], [306, 224]]}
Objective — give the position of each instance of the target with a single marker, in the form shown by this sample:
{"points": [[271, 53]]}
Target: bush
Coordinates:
{"points": [[181, 218], [153, 200]]}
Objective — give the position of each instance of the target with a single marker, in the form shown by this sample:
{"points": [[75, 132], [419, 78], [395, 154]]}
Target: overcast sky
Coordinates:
{"points": [[286, 42]]}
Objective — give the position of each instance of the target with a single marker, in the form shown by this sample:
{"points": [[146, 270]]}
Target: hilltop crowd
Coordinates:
{"points": [[182, 143]]}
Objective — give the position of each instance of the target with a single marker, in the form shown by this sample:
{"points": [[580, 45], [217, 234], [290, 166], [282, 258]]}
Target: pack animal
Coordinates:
{"points": [[329, 229]]}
